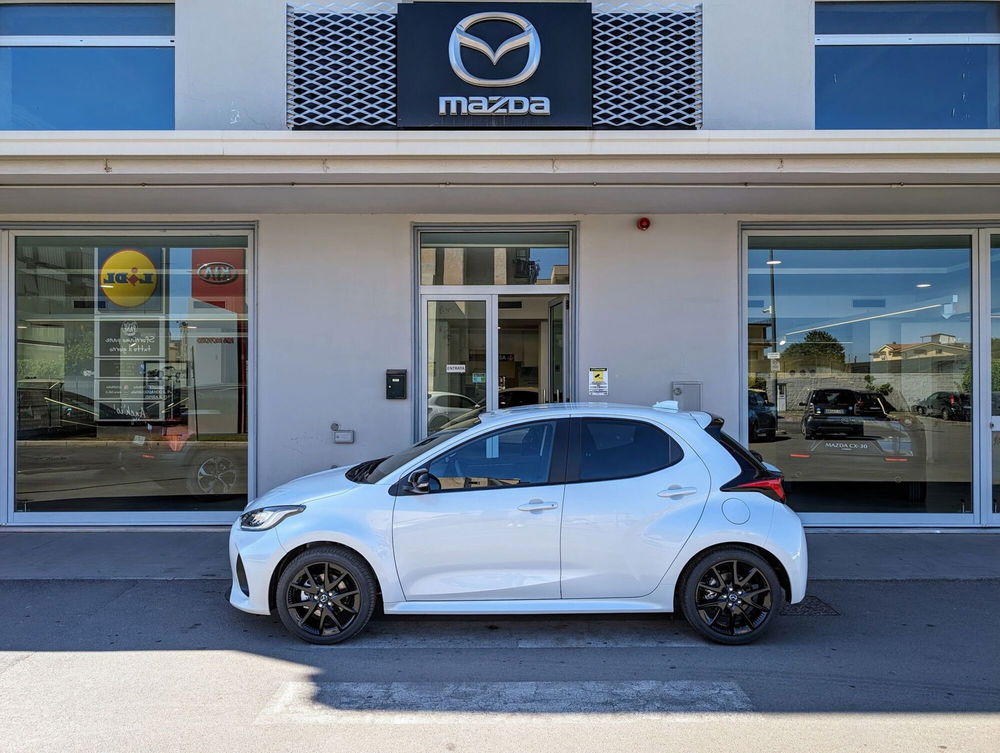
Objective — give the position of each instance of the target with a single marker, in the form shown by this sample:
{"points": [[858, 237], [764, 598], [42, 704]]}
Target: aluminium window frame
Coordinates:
{"points": [[9, 232], [979, 272]]}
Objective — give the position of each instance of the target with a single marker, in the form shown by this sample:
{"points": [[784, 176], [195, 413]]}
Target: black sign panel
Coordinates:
{"points": [[503, 65]]}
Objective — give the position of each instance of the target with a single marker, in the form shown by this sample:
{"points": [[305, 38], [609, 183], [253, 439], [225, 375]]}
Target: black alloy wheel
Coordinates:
{"points": [[945, 414], [731, 596], [325, 595]]}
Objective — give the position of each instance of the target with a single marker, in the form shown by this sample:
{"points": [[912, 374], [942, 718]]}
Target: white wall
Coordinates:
{"points": [[661, 306], [229, 64], [759, 64], [334, 311]]}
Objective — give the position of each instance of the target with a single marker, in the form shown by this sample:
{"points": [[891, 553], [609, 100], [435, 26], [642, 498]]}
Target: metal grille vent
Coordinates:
{"points": [[647, 66], [341, 65]]}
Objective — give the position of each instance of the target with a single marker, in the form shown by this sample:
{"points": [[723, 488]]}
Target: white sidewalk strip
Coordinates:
{"points": [[524, 702], [457, 633]]}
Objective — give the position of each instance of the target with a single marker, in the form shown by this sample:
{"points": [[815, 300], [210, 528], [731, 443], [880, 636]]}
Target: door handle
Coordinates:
{"points": [[537, 505], [676, 492]]}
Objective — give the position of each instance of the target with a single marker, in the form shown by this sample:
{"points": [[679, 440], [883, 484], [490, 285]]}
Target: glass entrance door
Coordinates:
{"points": [[459, 358], [488, 352], [557, 365], [494, 308]]}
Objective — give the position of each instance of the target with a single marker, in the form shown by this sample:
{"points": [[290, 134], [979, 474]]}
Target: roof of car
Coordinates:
{"points": [[616, 409]]}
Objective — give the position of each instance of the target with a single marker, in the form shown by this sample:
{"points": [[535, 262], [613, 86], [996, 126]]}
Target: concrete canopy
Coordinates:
{"points": [[770, 172]]}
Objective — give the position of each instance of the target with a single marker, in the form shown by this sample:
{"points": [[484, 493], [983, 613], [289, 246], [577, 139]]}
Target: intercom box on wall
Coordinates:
{"points": [[395, 384]]}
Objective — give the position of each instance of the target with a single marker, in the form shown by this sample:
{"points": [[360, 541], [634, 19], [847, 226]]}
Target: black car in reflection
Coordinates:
{"points": [[763, 416], [838, 410], [888, 449], [951, 406]]}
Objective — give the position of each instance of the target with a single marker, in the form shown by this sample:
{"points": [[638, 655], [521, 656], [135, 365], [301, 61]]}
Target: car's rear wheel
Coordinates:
{"points": [[946, 414], [325, 595], [731, 596]]}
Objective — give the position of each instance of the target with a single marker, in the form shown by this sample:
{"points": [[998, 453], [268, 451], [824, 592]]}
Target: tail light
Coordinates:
{"points": [[770, 487]]}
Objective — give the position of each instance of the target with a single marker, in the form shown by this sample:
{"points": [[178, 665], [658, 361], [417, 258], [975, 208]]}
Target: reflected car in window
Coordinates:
{"points": [[552, 509], [951, 406], [843, 411], [763, 416], [442, 407]]}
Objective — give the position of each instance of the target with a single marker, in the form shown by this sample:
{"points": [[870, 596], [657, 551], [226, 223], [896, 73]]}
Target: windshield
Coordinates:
{"points": [[393, 463]]}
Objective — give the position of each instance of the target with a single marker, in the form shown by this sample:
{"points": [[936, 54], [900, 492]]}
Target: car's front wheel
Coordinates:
{"points": [[325, 595], [731, 596]]}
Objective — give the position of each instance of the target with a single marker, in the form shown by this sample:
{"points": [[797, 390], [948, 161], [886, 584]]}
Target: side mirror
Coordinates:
{"points": [[419, 482]]}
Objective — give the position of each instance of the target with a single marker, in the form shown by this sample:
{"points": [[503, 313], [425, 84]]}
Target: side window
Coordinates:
{"points": [[613, 448], [519, 456]]}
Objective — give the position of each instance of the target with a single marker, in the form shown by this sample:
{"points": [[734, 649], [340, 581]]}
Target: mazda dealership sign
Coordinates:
{"points": [[511, 64]]}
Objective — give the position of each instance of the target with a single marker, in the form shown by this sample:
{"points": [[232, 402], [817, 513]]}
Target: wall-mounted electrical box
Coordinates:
{"points": [[687, 395], [395, 384]]}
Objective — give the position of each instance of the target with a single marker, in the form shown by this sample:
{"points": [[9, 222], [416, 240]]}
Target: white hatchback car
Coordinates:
{"points": [[549, 509]]}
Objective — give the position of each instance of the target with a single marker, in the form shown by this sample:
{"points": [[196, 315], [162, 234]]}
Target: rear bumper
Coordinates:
{"points": [[788, 542]]}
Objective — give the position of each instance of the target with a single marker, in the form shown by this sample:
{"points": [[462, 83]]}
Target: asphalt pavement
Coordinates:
{"points": [[124, 641]]}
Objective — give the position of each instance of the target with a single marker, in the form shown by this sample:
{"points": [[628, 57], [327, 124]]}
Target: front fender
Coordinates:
{"points": [[369, 534]]}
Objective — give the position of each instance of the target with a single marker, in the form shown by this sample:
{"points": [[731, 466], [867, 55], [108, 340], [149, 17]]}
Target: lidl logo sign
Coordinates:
{"points": [[128, 278]]}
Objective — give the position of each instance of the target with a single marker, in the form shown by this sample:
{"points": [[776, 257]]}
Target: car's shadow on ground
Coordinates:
{"points": [[868, 635]]}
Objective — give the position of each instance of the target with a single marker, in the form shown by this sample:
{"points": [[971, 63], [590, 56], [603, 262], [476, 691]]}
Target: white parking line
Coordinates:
{"points": [[410, 633], [526, 702]]}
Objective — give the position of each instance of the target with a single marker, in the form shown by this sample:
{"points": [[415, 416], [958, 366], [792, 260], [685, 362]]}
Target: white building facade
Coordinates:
{"points": [[261, 244]]}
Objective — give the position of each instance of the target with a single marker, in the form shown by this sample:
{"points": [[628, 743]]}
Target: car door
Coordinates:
{"points": [[489, 527], [634, 493]]}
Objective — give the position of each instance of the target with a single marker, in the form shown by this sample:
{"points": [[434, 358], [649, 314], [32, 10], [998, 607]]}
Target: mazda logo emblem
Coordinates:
{"points": [[528, 37]]}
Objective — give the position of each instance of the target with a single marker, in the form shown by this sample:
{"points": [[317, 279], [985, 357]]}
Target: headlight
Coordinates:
{"points": [[267, 517]]}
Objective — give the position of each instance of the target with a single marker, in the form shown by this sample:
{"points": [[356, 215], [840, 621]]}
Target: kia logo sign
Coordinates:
{"points": [[217, 273], [527, 37]]}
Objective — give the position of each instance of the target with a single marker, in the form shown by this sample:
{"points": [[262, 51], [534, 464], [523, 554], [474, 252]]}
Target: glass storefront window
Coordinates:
{"points": [[494, 258], [860, 370], [995, 364], [131, 369]]}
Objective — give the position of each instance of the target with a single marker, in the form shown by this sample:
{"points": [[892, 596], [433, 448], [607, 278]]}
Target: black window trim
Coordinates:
{"points": [[557, 467], [575, 446]]}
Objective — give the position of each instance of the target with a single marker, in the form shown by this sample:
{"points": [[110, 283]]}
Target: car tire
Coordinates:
{"points": [[920, 410], [214, 475], [325, 595], [754, 431], [945, 414], [808, 434], [730, 596]]}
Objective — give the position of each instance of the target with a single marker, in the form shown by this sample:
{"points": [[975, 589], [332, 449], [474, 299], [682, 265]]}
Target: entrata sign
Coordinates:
{"points": [[469, 65]]}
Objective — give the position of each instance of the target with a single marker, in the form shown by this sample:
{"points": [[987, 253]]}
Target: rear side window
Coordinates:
{"points": [[612, 448]]}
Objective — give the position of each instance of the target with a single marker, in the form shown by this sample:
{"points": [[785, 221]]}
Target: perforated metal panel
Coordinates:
{"points": [[647, 65], [341, 65]]}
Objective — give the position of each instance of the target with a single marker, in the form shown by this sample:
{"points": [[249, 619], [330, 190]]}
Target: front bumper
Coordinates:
{"points": [[259, 553]]}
